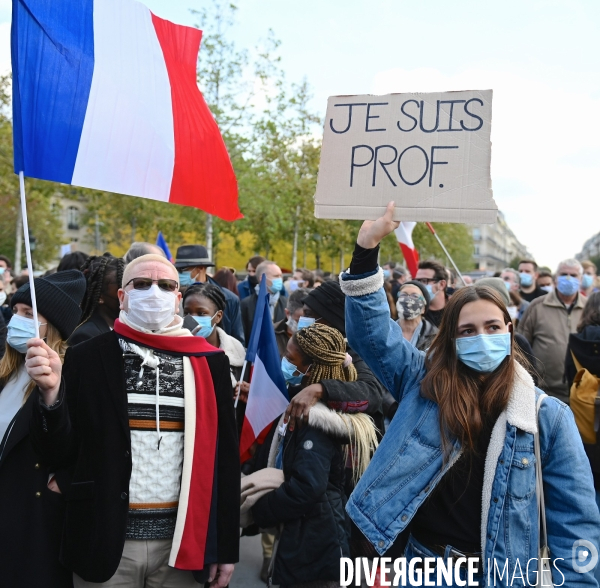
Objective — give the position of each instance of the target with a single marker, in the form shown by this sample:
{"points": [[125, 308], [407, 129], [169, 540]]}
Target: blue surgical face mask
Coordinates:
{"points": [[185, 279], [567, 285], [386, 274], [547, 288], [483, 353], [429, 289], [2, 269], [20, 330], [526, 279], [304, 322], [289, 369], [206, 326], [276, 285], [507, 285], [587, 281]]}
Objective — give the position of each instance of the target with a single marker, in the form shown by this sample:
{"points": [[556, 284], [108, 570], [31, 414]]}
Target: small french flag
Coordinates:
{"points": [[411, 255], [267, 397], [105, 96]]}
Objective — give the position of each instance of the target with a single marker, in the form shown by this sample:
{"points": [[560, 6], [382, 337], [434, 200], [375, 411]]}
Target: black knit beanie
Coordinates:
{"points": [[329, 302], [58, 299]]}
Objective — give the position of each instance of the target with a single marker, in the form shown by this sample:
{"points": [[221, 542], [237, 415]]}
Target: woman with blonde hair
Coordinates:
{"points": [[31, 505], [308, 508]]}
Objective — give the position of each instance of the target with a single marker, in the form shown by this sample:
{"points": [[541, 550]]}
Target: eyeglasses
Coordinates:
{"points": [[413, 296], [426, 281], [146, 283]]}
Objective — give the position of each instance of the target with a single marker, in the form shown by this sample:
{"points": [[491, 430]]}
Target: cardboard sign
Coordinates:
{"points": [[430, 153]]}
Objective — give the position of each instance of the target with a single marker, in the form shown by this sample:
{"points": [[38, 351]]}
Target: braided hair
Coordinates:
{"points": [[326, 349], [210, 291], [97, 270]]}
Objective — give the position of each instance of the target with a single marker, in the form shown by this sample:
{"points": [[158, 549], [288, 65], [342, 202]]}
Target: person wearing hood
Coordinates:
{"points": [[32, 489], [131, 411], [308, 508], [412, 305]]}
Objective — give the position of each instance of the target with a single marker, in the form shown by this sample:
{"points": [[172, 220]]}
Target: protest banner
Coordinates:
{"points": [[430, 153]]}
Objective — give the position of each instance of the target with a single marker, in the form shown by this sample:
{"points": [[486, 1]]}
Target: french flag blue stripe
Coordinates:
{"points": [[53, 63]]}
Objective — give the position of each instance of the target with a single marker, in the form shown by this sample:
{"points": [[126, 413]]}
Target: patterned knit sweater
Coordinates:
{"points": [[156, 444]]}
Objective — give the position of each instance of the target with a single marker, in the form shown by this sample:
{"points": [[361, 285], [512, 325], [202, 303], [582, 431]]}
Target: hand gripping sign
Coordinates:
{"points": [[430, 153]]}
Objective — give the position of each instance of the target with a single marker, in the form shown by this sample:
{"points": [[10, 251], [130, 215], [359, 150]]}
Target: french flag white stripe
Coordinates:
{"points": [[404, 233], [267, 400], [127, 143]]}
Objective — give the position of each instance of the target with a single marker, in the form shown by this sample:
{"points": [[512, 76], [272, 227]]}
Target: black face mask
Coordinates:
{"points": [[410, 307], [252, 281]]}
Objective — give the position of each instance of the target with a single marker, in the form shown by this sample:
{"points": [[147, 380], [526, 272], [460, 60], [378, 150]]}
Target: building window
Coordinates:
{"points": [[476, 249], [476, 233], [73, 218]]}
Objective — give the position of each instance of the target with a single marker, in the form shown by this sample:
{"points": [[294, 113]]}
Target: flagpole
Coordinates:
{"points": [[28, 253], [241, 380], [446, 252]]}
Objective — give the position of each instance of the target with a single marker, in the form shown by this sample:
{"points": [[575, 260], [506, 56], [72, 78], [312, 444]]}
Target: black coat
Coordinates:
{"points": [[3, 331], [89, 431], [249, 309], [93, 327], [31, 516], [310, 505]]}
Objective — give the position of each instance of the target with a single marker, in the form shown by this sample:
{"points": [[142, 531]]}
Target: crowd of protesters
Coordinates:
{"points": [[414, 401]]}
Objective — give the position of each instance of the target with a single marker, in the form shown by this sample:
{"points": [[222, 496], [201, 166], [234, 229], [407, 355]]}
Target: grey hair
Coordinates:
{"points": [[572, 262], [295, 299], [514, 272], [139, 248], [261, 268]]}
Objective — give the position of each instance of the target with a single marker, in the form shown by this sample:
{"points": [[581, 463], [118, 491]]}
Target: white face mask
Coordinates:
{"points": [[513, 312], [2, 297], [151, 309]]}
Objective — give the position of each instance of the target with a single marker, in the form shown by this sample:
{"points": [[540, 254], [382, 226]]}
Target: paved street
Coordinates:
{"points": [[247, 570]]}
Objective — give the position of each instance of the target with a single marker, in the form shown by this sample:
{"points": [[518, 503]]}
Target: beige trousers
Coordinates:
{"points": [[144, 564]]}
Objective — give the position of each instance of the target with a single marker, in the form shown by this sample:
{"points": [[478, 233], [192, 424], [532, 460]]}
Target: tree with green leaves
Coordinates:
{"points": [[44, 219]]}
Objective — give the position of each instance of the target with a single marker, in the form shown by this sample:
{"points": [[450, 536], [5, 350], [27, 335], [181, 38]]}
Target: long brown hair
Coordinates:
{"points": [[13, 360], [464, 395]]}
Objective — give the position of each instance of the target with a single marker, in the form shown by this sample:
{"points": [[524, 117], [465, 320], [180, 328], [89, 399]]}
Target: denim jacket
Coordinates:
{"points": [[409, 462]]}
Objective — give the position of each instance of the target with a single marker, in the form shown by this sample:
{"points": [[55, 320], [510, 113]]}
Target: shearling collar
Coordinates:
{"points": [[520, 411], [233, 349], [332, 423]]}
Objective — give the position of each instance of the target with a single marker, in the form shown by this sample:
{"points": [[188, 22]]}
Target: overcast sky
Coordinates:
{"points": [[539, 56]]}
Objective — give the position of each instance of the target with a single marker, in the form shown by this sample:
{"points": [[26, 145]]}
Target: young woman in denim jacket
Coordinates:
{"points": [[456, 468]]}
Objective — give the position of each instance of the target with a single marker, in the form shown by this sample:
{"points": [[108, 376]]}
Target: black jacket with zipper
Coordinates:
{"points": [[31, 515], [309, 505], [89, 431]]}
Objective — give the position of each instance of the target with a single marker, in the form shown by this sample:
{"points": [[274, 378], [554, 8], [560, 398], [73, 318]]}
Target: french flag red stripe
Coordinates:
{"points": [[203, 175]]}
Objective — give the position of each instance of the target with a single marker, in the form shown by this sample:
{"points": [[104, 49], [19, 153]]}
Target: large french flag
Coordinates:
{"points": [[405, 241], [105, 96], [268, 397]]}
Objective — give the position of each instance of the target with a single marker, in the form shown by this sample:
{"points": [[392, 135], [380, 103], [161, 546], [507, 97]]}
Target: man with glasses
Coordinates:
{"points": [[143, 415], [434, 277], [548, 322]]}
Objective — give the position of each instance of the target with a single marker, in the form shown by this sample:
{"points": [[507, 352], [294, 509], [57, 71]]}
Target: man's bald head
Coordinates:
{"points": [[144, 266]]}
